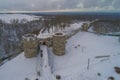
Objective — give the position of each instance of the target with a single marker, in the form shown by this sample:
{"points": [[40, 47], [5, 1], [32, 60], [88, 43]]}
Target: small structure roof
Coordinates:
{"points": [[44, 35]]}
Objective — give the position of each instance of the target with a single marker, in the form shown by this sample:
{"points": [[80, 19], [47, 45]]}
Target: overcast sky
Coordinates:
{"points": [[41, 5]]}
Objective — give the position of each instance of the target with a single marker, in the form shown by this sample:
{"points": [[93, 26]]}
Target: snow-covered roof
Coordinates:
{"points": [[44, 35]]}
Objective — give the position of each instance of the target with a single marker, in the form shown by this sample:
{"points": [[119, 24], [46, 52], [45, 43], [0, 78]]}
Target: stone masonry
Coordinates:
{"points": [[30, 45], [85, 27], [59, 41]]}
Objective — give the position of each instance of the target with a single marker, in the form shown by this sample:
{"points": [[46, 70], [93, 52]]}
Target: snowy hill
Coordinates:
{"points": [[8, 17], [103, 53]]}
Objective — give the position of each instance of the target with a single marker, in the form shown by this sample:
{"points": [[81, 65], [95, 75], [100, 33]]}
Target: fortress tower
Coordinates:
{"points": [[59, 41], [30, 45]]}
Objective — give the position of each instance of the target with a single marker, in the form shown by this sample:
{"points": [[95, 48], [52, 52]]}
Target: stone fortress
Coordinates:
{"points": [[31, 43]]}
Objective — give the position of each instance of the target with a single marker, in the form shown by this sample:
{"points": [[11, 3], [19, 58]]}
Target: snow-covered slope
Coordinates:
{"points": [[18, 68], [103, 53], [8, 17], [84, 46]]}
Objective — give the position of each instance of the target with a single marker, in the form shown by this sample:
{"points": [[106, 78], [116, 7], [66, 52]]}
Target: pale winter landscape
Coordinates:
{"points": [[90, 54]]}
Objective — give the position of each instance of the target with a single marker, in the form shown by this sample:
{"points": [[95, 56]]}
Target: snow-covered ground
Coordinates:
{"points": [[18, 68], [74, 64], [8, 17], [84, 46]]}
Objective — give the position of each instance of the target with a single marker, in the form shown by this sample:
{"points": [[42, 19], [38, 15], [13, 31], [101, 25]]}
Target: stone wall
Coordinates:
{"points": [[45, 39], [85, 27], [59, 41], [30, 45]]}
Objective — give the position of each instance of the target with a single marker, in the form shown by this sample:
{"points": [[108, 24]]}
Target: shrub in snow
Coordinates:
{"points": [[75, 46], [27, 79], [38, 73], [98, 74], [58, 77], [111, 78], [117, 70], [36, 79]]}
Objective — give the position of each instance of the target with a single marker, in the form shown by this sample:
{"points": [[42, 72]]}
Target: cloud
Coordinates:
{"points": [[41, 5], [116, 4], [80, 5]]}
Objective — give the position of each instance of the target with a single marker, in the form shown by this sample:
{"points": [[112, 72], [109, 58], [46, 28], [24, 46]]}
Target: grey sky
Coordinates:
{"points": [[40, 5]]}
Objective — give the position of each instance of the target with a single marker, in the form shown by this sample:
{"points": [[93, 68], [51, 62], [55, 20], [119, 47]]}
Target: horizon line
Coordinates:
{"points": [[66, 10]]}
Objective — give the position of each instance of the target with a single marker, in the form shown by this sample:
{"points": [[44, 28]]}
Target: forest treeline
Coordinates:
{"points": [[106, 26]]}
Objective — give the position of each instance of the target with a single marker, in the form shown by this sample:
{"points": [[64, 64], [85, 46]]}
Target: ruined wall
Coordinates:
{"points": [[30, 45], [59, 41], [85, 27], [45, 39]]}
